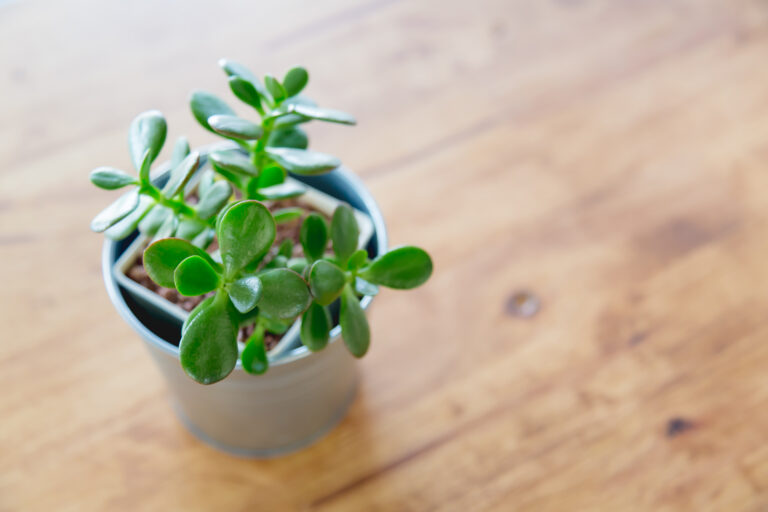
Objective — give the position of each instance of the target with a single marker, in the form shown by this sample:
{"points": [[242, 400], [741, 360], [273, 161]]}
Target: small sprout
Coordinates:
{"points": [[254, 355]]}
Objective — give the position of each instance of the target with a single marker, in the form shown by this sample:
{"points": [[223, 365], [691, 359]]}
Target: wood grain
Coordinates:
{"points": [[609, 156]]}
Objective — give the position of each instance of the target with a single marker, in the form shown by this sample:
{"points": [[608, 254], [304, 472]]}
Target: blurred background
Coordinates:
{"points": [[606, 157]]}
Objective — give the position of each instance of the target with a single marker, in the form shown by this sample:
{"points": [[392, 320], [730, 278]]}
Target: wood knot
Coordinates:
{"points": [[678, 426], [523, 304]]}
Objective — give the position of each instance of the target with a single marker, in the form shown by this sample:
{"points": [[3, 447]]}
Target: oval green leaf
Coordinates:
{"points": [[116, 211], [180, 151], [245, 91], [245, 293], [315, 327], [290, 137], [127, 224], [275, 88], [302, 161], [246, 231], [162, 257], [254, 356], [147, 133], [402, 268], [214, 199], [287, 214], [110, 178], [208, 347], [181, 174], [235, 127], [354, 325], [326, 281], [234, 161], [195, 276], [285, 294], [313, 236], [295, 80], [324, 114], [344, 233], [204, 105]]}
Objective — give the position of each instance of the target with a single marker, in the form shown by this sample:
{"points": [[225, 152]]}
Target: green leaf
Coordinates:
{"points": [[357, 260], [181, 174], [313, 236], [290, 137], [324, 114], [245, 293], [189, 228], [168, 227], [204, 239], [116, 211], [287, 214], [162, 257], [363, 287], [283, 191], [315, 327], [354, 325], [154, 219], [326, 281], [402, 268], [279, 261], [285, 294], [128, 224], [270, 177], [286, 248], [275, 88], [235, 127], [208, 347], [254, 356], [214, 199], [110, 178], [205, 105], [147, 133], [234, 161], [275, 326], [246, 231], [302, 161], [245, 91], [146, 163], [180, 151], [196, 311], [295, 80], [195, 276], [298, 265], [232, 68], [344, 233], [207, 179]]}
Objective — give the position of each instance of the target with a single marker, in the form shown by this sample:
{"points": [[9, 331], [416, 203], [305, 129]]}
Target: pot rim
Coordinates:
{"points": [[108, 249]]}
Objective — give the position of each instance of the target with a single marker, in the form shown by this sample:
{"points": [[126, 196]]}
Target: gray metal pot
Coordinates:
{"points": [[301, 397]]}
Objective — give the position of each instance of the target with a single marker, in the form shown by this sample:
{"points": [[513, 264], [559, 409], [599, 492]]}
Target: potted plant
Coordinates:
{"points": [[250, 257]]}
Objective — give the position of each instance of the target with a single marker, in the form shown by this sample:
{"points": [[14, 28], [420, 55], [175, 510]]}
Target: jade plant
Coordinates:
{"points": [[210, 234]]}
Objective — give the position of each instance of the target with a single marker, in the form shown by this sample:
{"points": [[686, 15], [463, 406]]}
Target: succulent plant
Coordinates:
{"points": [[248, 281]]}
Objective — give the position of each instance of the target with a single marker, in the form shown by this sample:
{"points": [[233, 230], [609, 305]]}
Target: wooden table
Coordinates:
{"points": [[609, 157]]}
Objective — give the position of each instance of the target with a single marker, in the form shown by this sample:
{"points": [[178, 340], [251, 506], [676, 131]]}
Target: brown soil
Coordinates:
{"points": [[285, 231]]}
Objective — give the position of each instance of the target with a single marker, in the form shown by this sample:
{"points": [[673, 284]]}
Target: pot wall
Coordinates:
{"points": [[302, 395]]}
